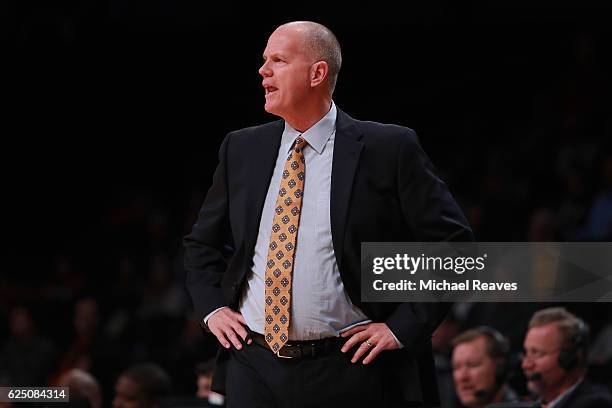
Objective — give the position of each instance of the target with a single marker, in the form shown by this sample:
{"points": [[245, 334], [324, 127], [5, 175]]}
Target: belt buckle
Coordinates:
{"points": [[286, 347], [280, 356]]}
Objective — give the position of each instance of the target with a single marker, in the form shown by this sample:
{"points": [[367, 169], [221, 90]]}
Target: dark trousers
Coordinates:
{"points": [[256, 378]]}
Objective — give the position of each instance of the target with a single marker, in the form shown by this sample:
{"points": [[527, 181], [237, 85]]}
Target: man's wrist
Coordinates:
{"points": [[399, 343], [208, 316]]}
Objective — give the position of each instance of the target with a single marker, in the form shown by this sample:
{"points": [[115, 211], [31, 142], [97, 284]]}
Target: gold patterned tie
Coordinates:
{"points": [[281, 251]]}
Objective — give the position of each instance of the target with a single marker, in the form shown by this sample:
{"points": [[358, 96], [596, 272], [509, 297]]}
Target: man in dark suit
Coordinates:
{"points": [[273, 260]]}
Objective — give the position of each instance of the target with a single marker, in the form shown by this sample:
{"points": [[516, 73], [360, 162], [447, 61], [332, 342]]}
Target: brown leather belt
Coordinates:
{"points": [[302, 348]]}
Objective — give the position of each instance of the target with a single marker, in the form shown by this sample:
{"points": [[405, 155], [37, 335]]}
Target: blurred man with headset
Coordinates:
{"points": [[480, 367], [555, 362]]}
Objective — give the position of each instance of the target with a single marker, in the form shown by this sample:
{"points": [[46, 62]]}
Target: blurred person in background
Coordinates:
{"points": [[555, 362], [142, 385], [480, 367], [598, 225], [26, 359], [83, 387], [204, 373], [163, 296], [90, 348]]}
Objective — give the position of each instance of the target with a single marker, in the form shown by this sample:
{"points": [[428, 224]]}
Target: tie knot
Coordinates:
{"points": [[299, 144]]}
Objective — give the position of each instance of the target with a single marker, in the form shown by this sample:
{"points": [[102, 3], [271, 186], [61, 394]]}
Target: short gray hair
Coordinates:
{"points": [[568, 324], [323, 46], [496, 344]]}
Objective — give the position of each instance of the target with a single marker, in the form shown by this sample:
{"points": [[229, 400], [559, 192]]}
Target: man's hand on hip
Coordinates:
{"points": [[227, 325], [372, 337]]}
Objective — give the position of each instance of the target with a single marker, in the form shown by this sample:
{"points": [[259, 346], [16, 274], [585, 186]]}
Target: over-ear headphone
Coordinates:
{"points": [[569, 356], [503, 345]]}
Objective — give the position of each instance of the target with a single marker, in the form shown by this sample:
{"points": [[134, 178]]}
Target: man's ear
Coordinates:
{"points": [[318, 73]]}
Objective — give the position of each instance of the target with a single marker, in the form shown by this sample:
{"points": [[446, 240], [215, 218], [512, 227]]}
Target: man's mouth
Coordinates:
{"points": [[467, 388], [270, 89]]}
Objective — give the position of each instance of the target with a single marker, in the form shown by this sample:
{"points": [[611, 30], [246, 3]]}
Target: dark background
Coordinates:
{"points": [[115, 110]]}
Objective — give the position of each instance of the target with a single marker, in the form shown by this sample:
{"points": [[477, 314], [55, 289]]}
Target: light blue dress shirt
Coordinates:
{"points": [[320, 307]]}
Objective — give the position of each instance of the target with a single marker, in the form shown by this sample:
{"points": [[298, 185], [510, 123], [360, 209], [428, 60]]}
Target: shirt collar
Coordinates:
{"points": [[318, 134]]}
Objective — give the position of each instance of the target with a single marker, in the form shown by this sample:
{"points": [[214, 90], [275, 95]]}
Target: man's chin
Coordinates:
{"points": [[467, 400], [270, 108], [534, 387]]}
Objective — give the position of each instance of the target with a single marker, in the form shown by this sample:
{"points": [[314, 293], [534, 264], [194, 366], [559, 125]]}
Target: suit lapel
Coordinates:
{"points": [[347, 149], [263, 153]]}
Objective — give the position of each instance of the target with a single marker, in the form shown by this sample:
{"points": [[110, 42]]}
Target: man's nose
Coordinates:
{"points": [[526, 364], [264, 70], [461, 375]]}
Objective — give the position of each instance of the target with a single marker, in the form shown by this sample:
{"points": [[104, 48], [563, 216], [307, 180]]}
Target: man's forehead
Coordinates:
{"points": [[473, 347], [285, 39], [543, 335]]}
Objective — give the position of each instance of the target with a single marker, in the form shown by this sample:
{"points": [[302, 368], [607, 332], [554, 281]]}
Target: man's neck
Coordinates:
{"points": [[309, 115], [568, 383], [497, 397]]}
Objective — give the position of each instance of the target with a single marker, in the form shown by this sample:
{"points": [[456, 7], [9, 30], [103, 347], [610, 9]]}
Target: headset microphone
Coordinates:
{"points": [[482, 394], [535, 377]]}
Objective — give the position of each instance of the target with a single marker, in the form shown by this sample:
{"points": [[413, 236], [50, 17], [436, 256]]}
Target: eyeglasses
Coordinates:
{"points": [[535, 354]]}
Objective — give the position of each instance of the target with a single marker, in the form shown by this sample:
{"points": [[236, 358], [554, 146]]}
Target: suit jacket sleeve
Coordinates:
{"points": [[432, 215], [209, 244]]}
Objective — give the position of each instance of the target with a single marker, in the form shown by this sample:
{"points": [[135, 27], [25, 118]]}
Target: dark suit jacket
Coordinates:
{"points": [[383, 189], [588, 395]]}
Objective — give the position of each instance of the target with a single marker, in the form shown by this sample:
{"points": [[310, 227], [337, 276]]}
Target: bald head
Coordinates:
{"points": [[83, 386], [321, 44]]}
